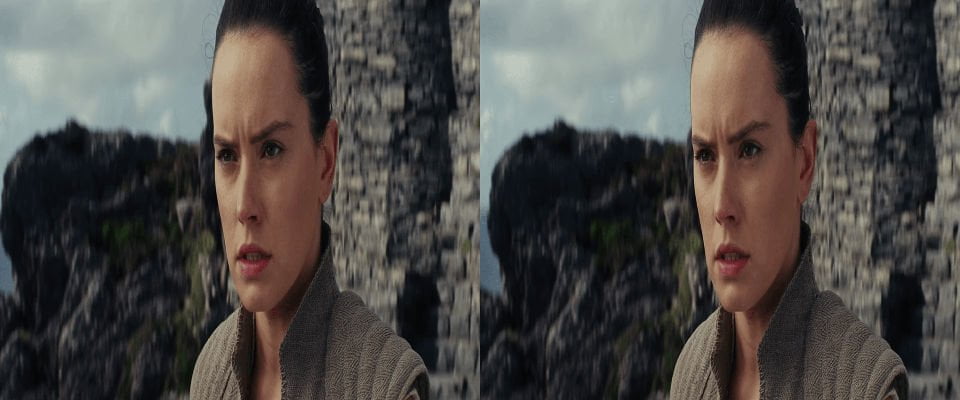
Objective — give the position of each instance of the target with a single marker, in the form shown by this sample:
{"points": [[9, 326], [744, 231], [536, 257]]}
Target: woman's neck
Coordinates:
{"points": [[270, 329], [749, 329]]}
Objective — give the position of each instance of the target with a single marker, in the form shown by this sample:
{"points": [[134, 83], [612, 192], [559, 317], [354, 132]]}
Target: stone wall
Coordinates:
{"points": [[116, 256], [885, 208], [406, 93]]}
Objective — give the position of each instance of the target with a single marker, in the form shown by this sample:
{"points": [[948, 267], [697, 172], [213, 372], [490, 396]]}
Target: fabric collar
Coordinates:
{"points": [[782, 349], [304, 345]]}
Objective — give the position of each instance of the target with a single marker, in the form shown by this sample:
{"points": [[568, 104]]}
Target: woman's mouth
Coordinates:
{"points": [[252, 260], [731, 260]]}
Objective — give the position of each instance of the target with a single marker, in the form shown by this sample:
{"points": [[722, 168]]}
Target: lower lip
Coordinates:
{"points": [[732, 268], [250, 269]]}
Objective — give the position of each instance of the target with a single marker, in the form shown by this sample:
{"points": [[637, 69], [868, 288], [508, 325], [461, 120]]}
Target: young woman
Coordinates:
{"points": [[296, 334], [775, 335]]}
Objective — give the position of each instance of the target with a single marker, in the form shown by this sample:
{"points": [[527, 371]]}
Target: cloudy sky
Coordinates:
{"points": [[140, 64], [136, 64], [621, 64]]}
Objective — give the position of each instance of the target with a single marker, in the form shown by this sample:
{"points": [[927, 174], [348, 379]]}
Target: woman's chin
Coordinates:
{"points": [[735, 299], [256, 299]]}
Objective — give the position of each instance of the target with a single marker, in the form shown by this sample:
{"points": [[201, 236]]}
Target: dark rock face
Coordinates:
{"points": [[884, 212], [886, 206], [116, 249], [113, 277], [602, 267], [115, 240], [405, 208]]}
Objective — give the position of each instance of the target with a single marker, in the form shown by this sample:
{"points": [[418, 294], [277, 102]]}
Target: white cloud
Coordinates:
{"points": [[138, 64], [87, 110], [653, 123], [579, 110], [634, 92], [60, 79], [166, 123], [486, 116], [147, 91], [517, 70], [31, 69], [140, 31], [599, 65]]}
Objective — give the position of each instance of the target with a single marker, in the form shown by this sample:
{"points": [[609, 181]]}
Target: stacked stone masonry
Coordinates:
{"points": [[885, 209], [406, 202]]}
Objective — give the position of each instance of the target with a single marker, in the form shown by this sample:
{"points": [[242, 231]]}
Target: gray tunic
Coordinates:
{"points": [[814, 348], [335, 348]]}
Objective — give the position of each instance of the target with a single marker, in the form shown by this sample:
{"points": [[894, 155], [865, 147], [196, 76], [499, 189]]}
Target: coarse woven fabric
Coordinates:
{"points": [[813, 348], [335, 348]]}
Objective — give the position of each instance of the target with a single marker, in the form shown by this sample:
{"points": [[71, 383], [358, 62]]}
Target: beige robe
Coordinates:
{"points": [[335, 348], [814, 348]]}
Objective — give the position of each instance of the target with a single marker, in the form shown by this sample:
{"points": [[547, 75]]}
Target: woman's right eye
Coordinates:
{"points": [[226, 155], [703, 156]]}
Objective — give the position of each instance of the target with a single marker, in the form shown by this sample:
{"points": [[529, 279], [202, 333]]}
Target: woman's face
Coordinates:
{"points": [[750, 178], [271, 176]]}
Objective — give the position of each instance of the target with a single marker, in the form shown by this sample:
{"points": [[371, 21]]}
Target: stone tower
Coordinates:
{"points": [[406, 202], [886, 206]]}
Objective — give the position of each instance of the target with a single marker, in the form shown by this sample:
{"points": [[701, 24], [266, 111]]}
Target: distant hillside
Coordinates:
{"points": [[118, 277], [602, 266], [884, 213]]}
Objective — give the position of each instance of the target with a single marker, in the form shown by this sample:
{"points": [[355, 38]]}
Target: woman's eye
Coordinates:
{"points": [[226, 155], [703, 156], [271, 149], [749, 150]]}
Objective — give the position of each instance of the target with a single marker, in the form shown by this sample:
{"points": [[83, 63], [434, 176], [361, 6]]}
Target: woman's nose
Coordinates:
{"points": [[248, 203], [726, 211]]}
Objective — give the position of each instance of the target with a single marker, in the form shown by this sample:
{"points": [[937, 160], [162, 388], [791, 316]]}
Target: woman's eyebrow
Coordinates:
{"points": [[223, 142], [700, 142], [270, 129], [741, 133], [264, 133], [747, 129]]}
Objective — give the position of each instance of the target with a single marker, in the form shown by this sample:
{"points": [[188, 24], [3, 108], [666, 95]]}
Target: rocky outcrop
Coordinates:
{"points": [[884, 211], [117, 274], [886, 206], [405, 208], [602, 267], [115, 240]]}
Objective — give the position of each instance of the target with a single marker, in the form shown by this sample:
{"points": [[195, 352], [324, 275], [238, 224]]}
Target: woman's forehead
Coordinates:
{"points": [[254, 81], [732, 84]]}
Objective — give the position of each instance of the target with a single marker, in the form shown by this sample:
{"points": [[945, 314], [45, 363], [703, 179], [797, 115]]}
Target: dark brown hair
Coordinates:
{"points": [[300, 23], [779, 25]]}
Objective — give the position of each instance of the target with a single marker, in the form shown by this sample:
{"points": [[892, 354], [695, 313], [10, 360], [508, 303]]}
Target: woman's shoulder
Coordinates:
{"points": [[844, 357], [368, 359], [212, 368], [693, 364]]}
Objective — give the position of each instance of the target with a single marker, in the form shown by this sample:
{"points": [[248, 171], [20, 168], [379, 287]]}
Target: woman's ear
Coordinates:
{"points": [[808, 159], [328, 159]]}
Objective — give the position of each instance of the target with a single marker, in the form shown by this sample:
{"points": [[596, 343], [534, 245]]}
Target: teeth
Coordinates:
{"points": [[253, 256], [731, 256]]}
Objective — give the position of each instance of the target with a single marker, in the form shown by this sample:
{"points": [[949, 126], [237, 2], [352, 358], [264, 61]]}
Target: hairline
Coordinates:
{"points": [[257, 28]]}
